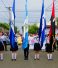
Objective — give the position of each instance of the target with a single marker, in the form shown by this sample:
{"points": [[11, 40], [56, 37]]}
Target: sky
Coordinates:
{"points": [[34, 11]]}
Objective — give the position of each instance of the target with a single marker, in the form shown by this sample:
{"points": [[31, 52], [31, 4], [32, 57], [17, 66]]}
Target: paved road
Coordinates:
{"points": [[31, 63]]}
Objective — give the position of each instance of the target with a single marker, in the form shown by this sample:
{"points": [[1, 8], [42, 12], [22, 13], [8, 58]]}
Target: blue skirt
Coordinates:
{"points": [[15, 48], [37, 47], [49, 48], [1, 46]]}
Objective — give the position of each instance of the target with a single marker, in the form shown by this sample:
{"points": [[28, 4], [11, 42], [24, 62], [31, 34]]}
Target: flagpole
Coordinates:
{"points": [[26, 9], [53, 18], [14, 15], [9, 9], [26, 14], [42, 26], [25, 29]]}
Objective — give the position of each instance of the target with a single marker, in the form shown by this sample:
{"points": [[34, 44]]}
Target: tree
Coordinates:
{"points": [[6, 27], [33, 29], [57, 20]]}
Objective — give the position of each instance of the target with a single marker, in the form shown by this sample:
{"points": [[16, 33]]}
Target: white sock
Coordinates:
{"points": [[1, 56], [14, 55], [37, 56], [48, 55]]}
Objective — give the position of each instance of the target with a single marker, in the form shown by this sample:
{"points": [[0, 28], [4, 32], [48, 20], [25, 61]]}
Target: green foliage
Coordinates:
{"points": [[7, 27], [57, 20], [4, 25], [16, 29], [33, 29]]}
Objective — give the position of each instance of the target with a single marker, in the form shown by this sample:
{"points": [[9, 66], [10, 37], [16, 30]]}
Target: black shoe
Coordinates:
{"points": [[14, 59], [6, 50], [34, 59], [50, 59], [1, 59], [25, 58], [37, 58]]}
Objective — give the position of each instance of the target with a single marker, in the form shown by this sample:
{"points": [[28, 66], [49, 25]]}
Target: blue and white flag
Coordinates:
{"points": [[12, 24], [42, 26], [13, 11], [25, 30]]}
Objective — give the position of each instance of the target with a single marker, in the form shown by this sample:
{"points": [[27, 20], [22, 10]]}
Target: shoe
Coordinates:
{"points": [[51, 59], [37, 58], [14, 59], [25, 59], [1, 59], [34, 58]]}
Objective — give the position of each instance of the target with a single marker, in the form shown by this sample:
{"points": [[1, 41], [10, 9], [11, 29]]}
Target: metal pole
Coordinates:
{"points": [[9, 9]]}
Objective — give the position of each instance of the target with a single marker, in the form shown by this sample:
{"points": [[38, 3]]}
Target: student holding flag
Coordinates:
{"points": [[25, 43], [37, 47], [50, 47], [13, 40], [42, 27]]}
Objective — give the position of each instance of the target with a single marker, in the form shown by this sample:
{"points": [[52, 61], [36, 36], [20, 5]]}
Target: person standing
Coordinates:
{"points": [[14, 49], [31, 41], [49, 47], [1, 46], [4, 41], [25, 46], [26, 52], [37, 48], [25, 41]]}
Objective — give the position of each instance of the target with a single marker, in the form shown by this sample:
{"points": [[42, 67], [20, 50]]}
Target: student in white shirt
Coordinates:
{"points": [[1, 46], [37, 48]]}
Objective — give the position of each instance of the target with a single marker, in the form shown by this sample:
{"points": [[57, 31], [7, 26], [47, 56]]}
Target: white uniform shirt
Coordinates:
{"points": [[1, 40], [47, 39], [3, 37]]}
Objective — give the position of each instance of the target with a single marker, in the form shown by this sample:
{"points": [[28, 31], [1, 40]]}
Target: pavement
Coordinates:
{"points": [[31, 63]]}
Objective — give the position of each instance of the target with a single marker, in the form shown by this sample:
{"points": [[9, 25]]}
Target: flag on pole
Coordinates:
{"points": [[42, 26], [12, 21], [13, 11], [52, 20], [25, 30]]}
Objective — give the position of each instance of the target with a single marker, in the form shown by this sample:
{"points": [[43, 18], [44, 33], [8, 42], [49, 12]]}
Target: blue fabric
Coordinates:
{"points": [[25, 38], [25, 41], [12, 24], [42, 26], [13, 8], [12, 38]]}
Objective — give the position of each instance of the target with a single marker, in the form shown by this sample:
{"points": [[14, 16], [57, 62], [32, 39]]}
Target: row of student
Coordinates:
{"points": [[49, 46], [37, 48], [2, 47]]}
